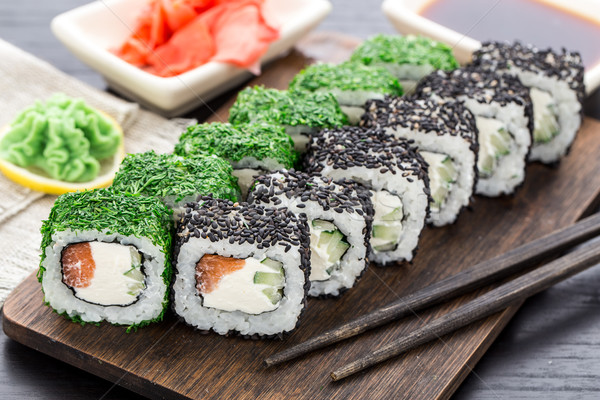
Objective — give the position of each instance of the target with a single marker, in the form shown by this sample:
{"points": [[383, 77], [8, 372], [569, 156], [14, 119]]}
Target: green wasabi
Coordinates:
{"points": [[63, 137], [413, 50], [347, 76], [105, 211], [175, 179], [238, 143], [287, 108]]}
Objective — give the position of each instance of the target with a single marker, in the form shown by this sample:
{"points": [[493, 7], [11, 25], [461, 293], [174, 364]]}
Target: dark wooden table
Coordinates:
{"points": [[550, 350]]}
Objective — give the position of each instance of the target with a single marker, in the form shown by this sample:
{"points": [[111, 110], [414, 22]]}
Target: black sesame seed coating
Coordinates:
{"points": [[343, 194], [483, 86], [243, 221], [564, 65], [443, 118], [367, 148], [222, 219], [300, 187]]}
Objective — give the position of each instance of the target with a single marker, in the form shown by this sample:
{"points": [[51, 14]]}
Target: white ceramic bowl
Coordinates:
{"points": [[404, 15], [90, 31]]}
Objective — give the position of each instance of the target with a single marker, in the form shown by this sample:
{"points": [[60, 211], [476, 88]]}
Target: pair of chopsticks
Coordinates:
{"points": [[479, 275]]}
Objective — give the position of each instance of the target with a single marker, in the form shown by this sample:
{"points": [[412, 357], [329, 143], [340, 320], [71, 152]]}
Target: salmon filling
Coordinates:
{"points": [[231, 284], [103, 273]]}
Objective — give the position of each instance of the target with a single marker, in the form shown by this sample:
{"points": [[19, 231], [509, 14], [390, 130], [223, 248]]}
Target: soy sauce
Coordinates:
{"points": [[528, 21]]}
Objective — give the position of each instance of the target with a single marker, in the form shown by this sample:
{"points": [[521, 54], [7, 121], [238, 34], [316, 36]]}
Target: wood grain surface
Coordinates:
{"points": [[172, 360]]}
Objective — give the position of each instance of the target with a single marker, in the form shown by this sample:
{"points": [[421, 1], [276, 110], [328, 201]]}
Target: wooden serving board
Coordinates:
{"points": [[172, 360]]}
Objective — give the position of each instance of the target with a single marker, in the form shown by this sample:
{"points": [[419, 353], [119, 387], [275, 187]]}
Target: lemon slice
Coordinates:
{"points": [[37, 179]]}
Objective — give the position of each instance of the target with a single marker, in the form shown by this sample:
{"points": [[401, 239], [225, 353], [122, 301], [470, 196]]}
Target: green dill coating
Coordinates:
{"points": [[234, 143], [413, 50], [175, 179], [347, 76], [123, 214], [287, 107]]}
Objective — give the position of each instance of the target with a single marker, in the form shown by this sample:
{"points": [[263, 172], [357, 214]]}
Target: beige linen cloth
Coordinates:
{"points": [[24, 79]]}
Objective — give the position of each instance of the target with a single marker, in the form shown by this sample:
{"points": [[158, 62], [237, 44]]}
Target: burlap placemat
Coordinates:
{"points": [[24, 79]]}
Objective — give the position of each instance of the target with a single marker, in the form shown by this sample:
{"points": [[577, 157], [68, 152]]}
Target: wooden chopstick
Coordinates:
{"points": [[481, 274], [493, 301]]}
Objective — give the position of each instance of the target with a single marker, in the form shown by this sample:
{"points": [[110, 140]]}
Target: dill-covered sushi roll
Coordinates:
{"points": [[106, 257], [240, 267], [409, 58], [557, 90], [174, 179], [301, 113], [339, 215], [252, 149], [351, 83], [395, 174], [504, 119], [446, 136]]}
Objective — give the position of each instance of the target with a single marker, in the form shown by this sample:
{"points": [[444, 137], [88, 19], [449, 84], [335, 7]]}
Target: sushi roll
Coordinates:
{"points": [[107, 257], [301, 113], [395, 174], [409, 58], [176, 180], [446, 136], [504, 119], [240, 267], [351, 83], [557, 90], [252, 149], [339, 218]]}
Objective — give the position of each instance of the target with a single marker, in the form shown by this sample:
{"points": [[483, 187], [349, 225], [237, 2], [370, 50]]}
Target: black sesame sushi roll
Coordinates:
{"points": [[557, 90], [395, 174], [240, 267], [339, 217], [351, 83], [301, 113], [446, 136], [252, 149], [106, 257], [504, 118], [176, 180]]}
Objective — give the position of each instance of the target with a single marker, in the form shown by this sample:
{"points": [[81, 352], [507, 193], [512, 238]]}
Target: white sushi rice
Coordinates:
{"points": [[62, 299], [568, 111], [189, 305], [351, 225], [414, 203], [510, 172], [464, 160]]}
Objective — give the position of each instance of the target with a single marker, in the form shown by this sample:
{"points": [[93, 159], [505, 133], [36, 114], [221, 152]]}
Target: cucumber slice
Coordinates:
{"points": [[386, 247], [442, 174], [383, 232], [328, 246], [324, 239], [336, 253], [134, 289], [494, 143], [269, 278], [395, 215], [273, 294], [135, 273], [275, 265], [501, 141], [336, 237], [545, 120], [322, 225]]}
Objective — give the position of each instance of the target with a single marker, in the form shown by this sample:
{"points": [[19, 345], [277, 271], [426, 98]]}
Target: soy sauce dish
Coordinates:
{"points": [[464, 24]]}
